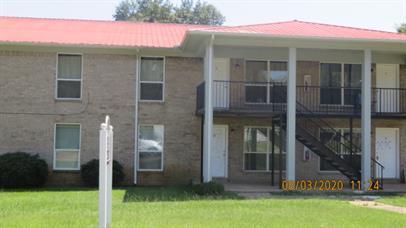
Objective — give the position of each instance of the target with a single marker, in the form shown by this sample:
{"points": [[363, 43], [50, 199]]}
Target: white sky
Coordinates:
{"points": [[374, 14]]}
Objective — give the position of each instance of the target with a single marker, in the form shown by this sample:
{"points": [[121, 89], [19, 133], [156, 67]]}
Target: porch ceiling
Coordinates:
{"points": [[198, 40]]}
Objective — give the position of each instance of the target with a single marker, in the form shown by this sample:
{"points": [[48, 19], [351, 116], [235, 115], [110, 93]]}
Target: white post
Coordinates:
{"points": [[291, 117], [208, 110], [105, 173], [136, 98], [366, 120]]}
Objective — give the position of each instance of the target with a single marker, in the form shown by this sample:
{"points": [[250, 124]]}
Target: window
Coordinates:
{"points": [[152, 79], [67, 146], [327, 137], [258, 149], [340, 83], [268, 81], [69, 76], [150, 147]]}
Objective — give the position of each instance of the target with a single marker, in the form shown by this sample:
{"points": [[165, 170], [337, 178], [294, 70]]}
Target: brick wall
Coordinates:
{"points": [[27, 85], [182, 127]]}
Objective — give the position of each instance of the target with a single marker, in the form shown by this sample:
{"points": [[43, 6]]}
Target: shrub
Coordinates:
{"points": [[210, 188], [90, 173], [20, 169]]}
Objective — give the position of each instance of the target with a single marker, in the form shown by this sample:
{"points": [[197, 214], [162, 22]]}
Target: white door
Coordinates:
{"points": [[219, 151], [221, 83], [387, 78], [387, 151]]}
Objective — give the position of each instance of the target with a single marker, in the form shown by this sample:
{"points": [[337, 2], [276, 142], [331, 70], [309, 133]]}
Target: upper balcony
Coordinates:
{"points": [[263, 99]]}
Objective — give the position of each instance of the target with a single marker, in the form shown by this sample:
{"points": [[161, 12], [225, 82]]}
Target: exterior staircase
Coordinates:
{"points": [[340, 153], [328, 152]]}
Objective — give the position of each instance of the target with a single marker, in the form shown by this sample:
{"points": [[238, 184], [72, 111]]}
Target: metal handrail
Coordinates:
{"points": [[352, 146]]}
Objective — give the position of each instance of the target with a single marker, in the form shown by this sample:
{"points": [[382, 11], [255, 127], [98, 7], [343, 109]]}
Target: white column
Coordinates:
{"points": [[136, 99], [366, 120], [208, 111], [291, 117]]}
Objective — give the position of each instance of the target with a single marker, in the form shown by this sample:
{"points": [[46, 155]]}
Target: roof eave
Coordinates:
{"points": [[315, 38], [51, 44]]}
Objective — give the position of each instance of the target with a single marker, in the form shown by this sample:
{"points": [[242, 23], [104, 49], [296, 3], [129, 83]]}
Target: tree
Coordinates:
{"points": [[207, 14], [402, 28], [144, 10], [188, 12]]}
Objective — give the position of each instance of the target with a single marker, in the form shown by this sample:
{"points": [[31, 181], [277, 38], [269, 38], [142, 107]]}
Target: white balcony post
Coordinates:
{"points": [[291, 117], [366, 120], [208, 110]]}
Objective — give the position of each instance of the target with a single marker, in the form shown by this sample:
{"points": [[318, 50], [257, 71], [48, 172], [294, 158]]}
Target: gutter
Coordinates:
{"points": [[316, 38]]}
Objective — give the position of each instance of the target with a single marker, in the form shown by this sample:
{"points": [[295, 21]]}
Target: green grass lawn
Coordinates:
{"points": [[178, 207], [394, 200]]}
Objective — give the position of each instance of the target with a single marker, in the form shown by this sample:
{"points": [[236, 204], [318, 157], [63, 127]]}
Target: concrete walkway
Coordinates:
{"points": [[377, 205]]}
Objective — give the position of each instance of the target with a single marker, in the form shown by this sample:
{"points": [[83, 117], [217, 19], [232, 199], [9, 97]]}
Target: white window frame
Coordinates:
{"points": [[341, 130], [78, 150], [268, 153], [267, 83], [342, 82], [162, 152], [72, 80], [152, 82]]}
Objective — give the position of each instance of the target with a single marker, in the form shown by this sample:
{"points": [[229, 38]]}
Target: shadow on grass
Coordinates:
{"points": [[173, 193]]}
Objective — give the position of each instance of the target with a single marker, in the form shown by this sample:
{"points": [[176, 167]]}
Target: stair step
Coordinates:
{"points": [[325, 153]]}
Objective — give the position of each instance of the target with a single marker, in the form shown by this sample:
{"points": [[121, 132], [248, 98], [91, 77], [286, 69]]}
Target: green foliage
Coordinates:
{"points": [[210, 188], [20, 169], [171, 193], [188, 12], [402, 28], [90, 173]]}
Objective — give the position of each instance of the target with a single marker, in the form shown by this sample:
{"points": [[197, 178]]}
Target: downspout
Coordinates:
{"points": [[136, 94]]}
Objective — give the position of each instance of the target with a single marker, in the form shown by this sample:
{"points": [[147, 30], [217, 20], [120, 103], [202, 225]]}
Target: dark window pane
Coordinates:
{"points": [[255, 94], [255, 161], [151, 91], [330, 81], [69, 89], [332, 141], [276, 164], [256, 140], [278, 72], [352, 97], [352, 75], [330, 96], [152, 69], [150, 160], [256, 71], [352, 82], [69, 66], [330, 75], [67, 136], [277, 94], [278, 66]]}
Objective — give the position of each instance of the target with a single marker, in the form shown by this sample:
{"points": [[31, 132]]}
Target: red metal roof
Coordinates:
{"points": [[158, 35], [91, 32], [308, 29]]}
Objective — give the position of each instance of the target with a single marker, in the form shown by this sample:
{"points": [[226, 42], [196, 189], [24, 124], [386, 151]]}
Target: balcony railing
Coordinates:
{"points": [[263, 97]]}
